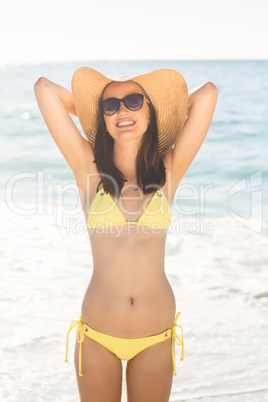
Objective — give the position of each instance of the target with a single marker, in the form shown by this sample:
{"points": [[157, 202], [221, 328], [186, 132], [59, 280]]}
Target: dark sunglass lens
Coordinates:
{"points": [[110, 106], [134, 101]]}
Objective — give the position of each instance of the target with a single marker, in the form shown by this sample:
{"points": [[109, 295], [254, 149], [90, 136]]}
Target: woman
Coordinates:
{"points": [[139, 146]]}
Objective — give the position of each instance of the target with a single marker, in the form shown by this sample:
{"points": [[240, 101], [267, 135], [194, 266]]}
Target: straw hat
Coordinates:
{"points": [[165, 88]]}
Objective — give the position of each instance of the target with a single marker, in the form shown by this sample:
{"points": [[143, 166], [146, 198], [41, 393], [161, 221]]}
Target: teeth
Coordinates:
{"points": [[125, 123]]}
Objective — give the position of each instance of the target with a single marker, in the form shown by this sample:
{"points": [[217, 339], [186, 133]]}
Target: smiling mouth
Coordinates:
{"points": [[125, 123]]}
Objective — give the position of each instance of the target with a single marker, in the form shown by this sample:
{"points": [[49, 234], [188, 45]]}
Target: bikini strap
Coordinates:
{"points": [[80, 336], [179, 342]]}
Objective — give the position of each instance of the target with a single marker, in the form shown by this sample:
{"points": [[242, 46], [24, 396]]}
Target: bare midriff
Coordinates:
{"points": [[129, 295]]}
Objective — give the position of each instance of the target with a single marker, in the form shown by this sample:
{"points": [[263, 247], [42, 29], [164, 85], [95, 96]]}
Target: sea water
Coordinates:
{"points": [[216, 250]]}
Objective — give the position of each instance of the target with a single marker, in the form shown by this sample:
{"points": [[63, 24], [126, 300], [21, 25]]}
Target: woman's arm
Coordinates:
{"points": [[202, 102], [56, 104]]}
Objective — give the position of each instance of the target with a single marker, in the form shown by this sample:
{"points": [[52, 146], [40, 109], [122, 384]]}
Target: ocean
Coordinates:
{"points": [[216, 250]]}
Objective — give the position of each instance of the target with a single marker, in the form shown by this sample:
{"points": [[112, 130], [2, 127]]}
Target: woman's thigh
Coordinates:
{"points": [[102, 373], [149, 374]]}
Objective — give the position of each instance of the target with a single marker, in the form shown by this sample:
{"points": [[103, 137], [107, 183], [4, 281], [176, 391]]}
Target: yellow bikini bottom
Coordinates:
{"points": [[125, 349]]}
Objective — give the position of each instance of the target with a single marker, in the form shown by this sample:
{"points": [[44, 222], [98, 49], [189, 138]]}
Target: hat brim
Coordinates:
{"points": [[166, 89]]}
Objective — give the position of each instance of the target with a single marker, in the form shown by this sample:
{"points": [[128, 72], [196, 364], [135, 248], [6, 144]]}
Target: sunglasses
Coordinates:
{"points": [[132, 102]]}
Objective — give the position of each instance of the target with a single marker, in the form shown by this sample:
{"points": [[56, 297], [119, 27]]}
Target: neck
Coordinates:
{"points": [[124, 158]]}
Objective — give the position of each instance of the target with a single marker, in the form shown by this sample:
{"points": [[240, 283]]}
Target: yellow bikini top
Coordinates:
{"points": [[104, 212]]}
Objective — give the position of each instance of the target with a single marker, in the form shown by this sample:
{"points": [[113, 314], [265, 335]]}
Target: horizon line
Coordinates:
{"points": [[12, 64]]}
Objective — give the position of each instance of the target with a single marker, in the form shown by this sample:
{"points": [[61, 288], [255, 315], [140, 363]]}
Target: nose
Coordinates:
{"points": [[122, 108]]}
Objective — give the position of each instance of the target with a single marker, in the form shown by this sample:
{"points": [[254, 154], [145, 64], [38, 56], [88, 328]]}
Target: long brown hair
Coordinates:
{"points": [[150, 169]]}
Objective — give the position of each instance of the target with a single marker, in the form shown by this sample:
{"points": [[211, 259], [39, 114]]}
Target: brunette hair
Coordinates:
{"points": [[150, 169]]}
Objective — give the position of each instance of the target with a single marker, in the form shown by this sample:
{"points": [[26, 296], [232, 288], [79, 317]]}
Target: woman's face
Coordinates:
{"points": [[126, 125]]}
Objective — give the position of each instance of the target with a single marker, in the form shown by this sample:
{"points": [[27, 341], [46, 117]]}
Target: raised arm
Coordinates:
{"points": [[56, 104], [202, 102]]}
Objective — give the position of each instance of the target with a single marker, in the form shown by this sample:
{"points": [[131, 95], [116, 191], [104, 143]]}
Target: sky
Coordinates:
{"points": [[35, 31]]}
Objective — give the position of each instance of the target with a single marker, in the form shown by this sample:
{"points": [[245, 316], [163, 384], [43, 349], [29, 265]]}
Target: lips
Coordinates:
{"points": [[124, 123]]}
